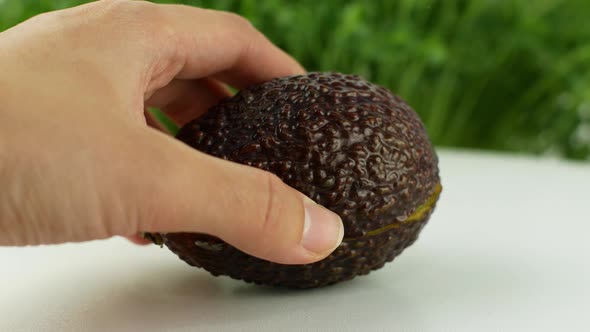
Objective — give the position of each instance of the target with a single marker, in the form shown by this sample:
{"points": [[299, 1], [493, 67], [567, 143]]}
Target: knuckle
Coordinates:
{"points": [[125, 15], [246, 34], [130, 26], [110, 17], [240, 23], [132, 14], [274, 208], [114, 6], [250, 37]]}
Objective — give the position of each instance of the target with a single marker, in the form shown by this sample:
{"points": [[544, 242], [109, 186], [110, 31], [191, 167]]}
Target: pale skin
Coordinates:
{"points": [[80, 159]]}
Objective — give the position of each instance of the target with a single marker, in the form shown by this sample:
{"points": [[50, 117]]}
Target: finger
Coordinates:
{"points": [[245, 206], [185, 100], [138, 240], [200, 43]]}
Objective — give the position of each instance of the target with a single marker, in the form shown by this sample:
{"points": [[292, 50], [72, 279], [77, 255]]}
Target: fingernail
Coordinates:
{"points": [[323, 230]]}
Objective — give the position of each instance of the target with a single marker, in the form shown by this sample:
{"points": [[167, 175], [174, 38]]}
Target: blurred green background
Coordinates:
{"points": [[510, 75]]}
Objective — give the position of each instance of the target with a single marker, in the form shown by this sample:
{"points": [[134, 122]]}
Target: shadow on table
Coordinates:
{"points": [[194, 299], [187, 298]]}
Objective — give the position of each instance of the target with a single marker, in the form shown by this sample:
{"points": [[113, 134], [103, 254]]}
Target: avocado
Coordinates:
{"points": [[348, 144]]}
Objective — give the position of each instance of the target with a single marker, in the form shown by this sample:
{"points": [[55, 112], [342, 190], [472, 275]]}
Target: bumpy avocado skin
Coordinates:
{"points": [[346, 143]]}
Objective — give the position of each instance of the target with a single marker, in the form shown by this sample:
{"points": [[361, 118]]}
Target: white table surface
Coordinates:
{"points": [[506, 250]]}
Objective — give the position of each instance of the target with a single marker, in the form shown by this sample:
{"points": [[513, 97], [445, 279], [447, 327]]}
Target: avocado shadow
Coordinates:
{"points": [[397, 296], [156, 302], [188, 299]]}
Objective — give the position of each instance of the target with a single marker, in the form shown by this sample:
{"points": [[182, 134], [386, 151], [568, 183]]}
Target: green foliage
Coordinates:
{"points": [[506, 75]]}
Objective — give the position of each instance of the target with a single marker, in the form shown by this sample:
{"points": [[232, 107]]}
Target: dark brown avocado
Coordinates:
{"points": [[348, 144]]}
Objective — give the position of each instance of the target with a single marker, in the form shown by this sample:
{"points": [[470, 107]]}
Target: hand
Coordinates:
{"points": [[80, 159]]}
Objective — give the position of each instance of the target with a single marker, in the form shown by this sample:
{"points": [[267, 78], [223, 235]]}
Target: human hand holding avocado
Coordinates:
{"points": [[80, 160]]}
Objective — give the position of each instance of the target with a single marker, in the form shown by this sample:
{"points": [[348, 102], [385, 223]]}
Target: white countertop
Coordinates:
{"points": [[507, 249]]}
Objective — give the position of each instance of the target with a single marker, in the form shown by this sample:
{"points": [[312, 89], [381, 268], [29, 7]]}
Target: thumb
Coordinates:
{"points": [[249, 208]]}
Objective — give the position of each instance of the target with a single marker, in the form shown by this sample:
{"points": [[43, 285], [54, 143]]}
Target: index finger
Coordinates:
{"points": [[199, 43]]}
